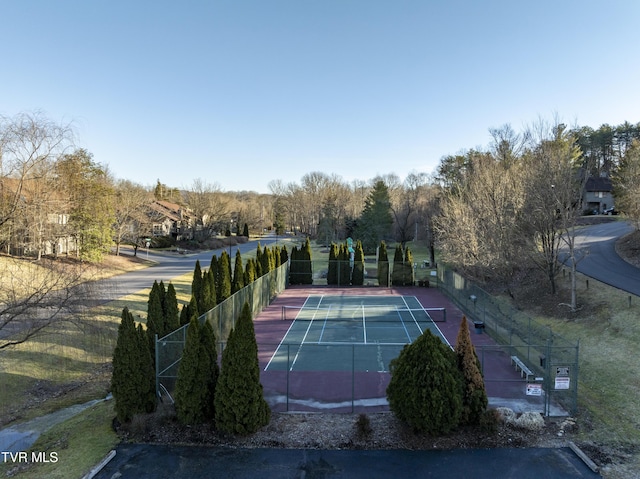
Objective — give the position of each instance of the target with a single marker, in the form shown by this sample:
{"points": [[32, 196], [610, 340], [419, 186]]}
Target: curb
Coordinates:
{"points": [[96, 469], [590, 464]]}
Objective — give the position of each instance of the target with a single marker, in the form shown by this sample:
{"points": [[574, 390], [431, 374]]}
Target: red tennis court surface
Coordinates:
{"points": [[350, 390]]}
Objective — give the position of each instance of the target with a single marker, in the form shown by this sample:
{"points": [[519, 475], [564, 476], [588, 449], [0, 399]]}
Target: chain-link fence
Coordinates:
{"points": [[223, 317], [548, 362]]}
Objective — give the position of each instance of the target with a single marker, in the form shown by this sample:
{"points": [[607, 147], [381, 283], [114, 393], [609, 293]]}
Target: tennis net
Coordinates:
{"points": [[382, 314]]}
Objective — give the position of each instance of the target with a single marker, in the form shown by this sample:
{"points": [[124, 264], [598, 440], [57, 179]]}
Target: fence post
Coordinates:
{"points": [[353, 378], [157, 354]]}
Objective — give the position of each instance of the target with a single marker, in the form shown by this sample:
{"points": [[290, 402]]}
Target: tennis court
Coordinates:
{"points": [[351, 333]]}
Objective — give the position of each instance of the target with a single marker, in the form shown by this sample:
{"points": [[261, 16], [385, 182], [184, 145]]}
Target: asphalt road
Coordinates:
{"points": [[600, 260], [167, 267], [143, 461]]}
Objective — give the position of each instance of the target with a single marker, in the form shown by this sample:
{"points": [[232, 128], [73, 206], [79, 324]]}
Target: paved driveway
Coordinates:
{"points": [[153, 462], [601, 261]]}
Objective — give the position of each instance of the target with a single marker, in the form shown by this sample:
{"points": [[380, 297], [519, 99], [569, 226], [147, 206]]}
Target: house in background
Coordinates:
{"points": [[170, 219], [598, 194]]}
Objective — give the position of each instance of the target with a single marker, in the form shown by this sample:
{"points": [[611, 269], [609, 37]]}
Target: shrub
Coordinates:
{"points": [[426, 387], [363, 427]]}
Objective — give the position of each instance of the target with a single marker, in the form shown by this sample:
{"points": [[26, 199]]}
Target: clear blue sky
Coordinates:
{"points": [[243, 92]]}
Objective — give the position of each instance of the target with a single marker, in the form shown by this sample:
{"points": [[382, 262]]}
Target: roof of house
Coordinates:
{"points": [[172, 211], [599, 183]]}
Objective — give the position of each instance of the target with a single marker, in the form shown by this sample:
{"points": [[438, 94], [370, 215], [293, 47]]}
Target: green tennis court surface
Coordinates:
{"points": [[360, 333]]}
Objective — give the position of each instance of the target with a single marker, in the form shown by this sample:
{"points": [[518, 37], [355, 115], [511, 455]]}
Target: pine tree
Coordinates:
{"points": [[245, 230], [376, 220], [357, 277], [238, 274], [474, 400], [130, 384], [240, 407], [284, 255], [383, 265], [425, 390], [265, 262]]}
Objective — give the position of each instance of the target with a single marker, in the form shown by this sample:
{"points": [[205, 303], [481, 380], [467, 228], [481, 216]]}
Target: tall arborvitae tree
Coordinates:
{"points": [[240, 407], [196, 286], [192, 391], [185, 314], [265, 261], [332, 271], [155, 317], [209, 299], [397, 275], [357, 276], [130, 384], [345, 267], [250, 272], [383, 265], [210, 350], [170, 309], [245, 230], [162, 324], [223, 287], [426, 386], [284, 255], [146, 364], [474, 399], [307, 270], [294, 268], [409, 272], [258, 264], [238, 274]]}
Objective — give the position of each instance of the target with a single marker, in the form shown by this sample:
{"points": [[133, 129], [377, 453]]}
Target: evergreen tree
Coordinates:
{"points": [[397, 275], [426, 387], [357, 277], [192, 384], [307, 269], [332, 271], [146, 364], [258, 264], [474, 399], [284, 255], [172, 318], [240, 407], [294, 275], [223, 287], [155, 318], [132, 369], [162, 322], [383, 265], [245, 230], [376, 220], [196, 286], [209, 299], [250, 272], [238, 274], [409, 274], [210, 350], [265, 261], [345, 268], [185, 314]]}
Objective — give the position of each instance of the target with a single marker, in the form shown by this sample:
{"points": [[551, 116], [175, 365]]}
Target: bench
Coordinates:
{"points": [[524, 370]]}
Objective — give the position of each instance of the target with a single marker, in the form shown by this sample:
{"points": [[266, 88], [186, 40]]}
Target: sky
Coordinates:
{"points": [[241, 93]]}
